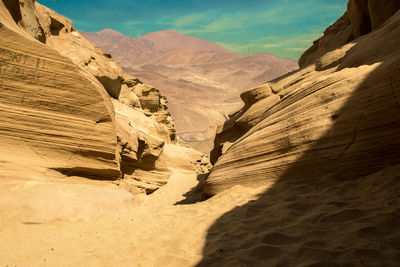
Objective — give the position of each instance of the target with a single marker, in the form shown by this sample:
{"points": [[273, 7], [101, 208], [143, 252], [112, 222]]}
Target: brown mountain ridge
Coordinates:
{"points": [[202, 80]]}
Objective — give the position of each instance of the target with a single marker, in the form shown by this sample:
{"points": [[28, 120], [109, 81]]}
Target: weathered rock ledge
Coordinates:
{"points": [[66, 105], [338, 115]]}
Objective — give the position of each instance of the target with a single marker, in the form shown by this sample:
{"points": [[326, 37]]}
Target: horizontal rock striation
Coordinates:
{"points": [[338, 116], [51, 115], [62, 36], [66, 105]]}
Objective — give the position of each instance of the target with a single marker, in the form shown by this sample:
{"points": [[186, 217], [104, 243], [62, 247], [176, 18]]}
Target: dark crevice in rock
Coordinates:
{"points": [[14, 9], [90, 173], [102, 120], [55, 26], [112, 86]]}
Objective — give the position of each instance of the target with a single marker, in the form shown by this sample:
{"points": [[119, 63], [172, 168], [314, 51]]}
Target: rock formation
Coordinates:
{"points": [[202, 80], [305, 136], [66, 105], [52, 114], [337, 115], [362, 17]]}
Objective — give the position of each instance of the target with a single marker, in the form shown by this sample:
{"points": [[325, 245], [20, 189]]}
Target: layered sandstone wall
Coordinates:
{"points": [[66, 105], [339, 115]]}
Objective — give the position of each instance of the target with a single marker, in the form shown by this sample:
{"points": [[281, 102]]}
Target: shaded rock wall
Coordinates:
{"points": [[362, 17], [338, 116]]}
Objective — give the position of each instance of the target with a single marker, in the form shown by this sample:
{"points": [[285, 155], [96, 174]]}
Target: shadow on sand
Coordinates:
{"points": [[196, 193], [327, 221]]}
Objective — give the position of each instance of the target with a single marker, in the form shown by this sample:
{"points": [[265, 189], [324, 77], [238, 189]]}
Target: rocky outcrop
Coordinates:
{"points": [[24, 15], [362, 17], [141, 148], [256, 101], [62, 36], [52, 116], [67, 106], [338, 116]]}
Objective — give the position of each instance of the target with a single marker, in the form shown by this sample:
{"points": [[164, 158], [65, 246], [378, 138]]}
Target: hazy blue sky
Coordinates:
{"points": [[281, 27]]}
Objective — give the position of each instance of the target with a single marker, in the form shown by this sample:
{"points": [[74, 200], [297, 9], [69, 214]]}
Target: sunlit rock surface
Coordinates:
{"points": [[67, 106], [52, 115], [339, 115]]}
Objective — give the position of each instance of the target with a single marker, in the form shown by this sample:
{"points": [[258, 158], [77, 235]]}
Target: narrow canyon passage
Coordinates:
{"points": [[305, 173]]}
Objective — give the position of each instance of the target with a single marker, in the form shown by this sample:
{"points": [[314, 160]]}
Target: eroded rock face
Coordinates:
{"points": [[52, 116], [144, 128], [148, 99], [362, 17], [338, 116], [67, 106], [24, 15], [256, 101], [62, 36], [140, 148]]}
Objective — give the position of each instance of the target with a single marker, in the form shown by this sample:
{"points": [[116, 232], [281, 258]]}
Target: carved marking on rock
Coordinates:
{"points": [[5, 55], [8, 56]]}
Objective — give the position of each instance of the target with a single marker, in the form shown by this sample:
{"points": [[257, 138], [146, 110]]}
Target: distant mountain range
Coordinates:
{"points": [[201, 79]]}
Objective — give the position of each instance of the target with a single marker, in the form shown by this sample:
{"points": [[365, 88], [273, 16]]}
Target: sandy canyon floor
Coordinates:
{"points": [[67, 222]]}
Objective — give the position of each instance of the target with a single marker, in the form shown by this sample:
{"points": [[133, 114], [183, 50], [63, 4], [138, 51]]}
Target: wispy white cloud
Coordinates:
{"points": [[237, 24], [275, 28], [272, 45], [283, 46], [191, 19], [218, 21]]}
